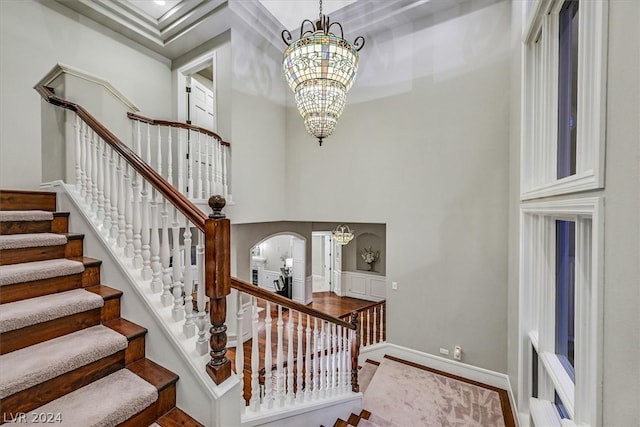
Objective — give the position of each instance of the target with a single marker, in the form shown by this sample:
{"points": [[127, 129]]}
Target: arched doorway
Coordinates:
{"points": [[278, 263]]}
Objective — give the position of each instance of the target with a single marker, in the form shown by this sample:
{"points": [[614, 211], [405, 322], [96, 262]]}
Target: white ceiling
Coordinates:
{"points": [[290, 13], [179, 26], [154, 8]]}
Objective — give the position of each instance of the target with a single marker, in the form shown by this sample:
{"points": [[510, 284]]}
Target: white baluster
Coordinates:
{"points": [[191, 193], [145, 234], [147, 156], [299, 361], [94, 173], [375, 340], [189, 327], [219, 167], [138, 138], [166, 298], [255, 358], [316, 361], [83, 159], [347, 361], [368, 328], [202, 345], [268, 359], [170, 157], [159, 156], [77, 153], [362, 329], [290, 377], [240, 346], [113, 231], [178, 302], [323, 363], [207, 165], [307, 361], [181, 160], [332, 348], [156, 266], [106, 156], [225, 172], [279, 360], [100, 187], [382, 324], [199, 193], [129, 182], [123, 190], [137, 221]]}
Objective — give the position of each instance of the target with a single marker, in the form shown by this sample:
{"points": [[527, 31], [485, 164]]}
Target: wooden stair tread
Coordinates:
{"points": [[126, 328], [106, 292], [153, 373], [177, 418], [87, 261]]}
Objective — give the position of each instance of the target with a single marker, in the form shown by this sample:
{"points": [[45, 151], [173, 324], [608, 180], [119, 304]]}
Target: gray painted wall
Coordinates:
{"points": [[426, 152], [33, 38]]}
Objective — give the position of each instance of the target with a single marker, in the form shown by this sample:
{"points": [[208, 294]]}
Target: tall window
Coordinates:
{"points": [[565, 294], [567, 89], [564, 97]]}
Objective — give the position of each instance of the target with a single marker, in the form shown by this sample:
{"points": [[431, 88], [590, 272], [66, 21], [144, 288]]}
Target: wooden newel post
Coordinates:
{"points": [[355, 352], [217, 252]]}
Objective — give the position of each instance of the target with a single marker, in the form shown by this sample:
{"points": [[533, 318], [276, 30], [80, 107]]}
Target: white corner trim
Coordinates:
{"points": [[60, 69]]}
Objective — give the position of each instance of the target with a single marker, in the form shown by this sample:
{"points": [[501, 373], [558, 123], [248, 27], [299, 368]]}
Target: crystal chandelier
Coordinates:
{"points": [[342, 234], [320, 68]]}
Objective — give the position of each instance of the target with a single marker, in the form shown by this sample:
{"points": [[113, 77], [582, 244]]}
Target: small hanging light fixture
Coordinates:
{"points": [[320, 68], [342, 234]]}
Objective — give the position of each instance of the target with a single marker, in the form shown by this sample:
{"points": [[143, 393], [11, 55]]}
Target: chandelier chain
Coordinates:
{"points": [[320, 10]]}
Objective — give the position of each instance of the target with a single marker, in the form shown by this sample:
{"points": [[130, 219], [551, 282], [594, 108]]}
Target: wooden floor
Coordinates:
{"points": [[326, 302]]}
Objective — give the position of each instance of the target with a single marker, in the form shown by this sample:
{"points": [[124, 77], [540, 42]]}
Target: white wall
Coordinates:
{"points": [[258, 128], [426, 152], [621, 364], [33, 38]]}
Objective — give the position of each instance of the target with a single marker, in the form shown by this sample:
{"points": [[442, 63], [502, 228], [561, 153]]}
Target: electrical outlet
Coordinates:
{"points": [[444, 351], [394, 286], [457, 352]]}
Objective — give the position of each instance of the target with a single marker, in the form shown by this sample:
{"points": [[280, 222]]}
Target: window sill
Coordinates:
{"points": [[571, 184]]}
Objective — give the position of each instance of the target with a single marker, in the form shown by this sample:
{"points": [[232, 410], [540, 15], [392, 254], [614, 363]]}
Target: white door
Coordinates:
{"points": [[298, 292], [327, 260], [337, 267], [201, 112]]}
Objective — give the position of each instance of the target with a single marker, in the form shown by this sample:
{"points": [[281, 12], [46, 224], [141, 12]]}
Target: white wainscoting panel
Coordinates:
{"points": [[370, 287]]}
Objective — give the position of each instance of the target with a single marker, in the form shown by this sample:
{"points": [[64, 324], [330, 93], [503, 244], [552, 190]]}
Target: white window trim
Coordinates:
{"points": [[537, 284], [539, 146]]}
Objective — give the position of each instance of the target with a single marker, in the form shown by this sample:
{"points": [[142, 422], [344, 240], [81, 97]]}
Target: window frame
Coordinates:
{"points": [[582, 399], [539, 131]]}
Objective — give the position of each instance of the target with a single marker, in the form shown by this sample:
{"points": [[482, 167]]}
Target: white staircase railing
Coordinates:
{"points": [[194, 160], [315, 354]]}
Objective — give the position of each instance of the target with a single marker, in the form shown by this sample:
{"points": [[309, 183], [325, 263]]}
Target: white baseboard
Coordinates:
{"points": [[474, 373]]}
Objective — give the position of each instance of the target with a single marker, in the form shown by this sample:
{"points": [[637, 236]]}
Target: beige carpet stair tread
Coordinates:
{"points": [[103, 403], [32, 311], [41, 362], [38, 270], [31, 240], [25, 216]]}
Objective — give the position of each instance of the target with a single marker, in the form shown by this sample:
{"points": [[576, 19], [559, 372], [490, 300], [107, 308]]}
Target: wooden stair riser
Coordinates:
{"points": [[25, 200], [164, 381], [73, 248], [59, 224], [41, 332], [54, 388], [135, 335], [19, 291]]}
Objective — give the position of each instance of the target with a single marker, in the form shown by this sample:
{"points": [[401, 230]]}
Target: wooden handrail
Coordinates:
{"points": [[171, 123], [177, 199], [259, 292], [364, 308]]}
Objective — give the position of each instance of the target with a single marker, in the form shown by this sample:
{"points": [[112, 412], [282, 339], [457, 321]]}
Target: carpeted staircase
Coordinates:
{"points": [[66, 355]]}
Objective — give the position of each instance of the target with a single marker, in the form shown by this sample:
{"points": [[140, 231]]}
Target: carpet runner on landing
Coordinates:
{"points": [[405, 394]]}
